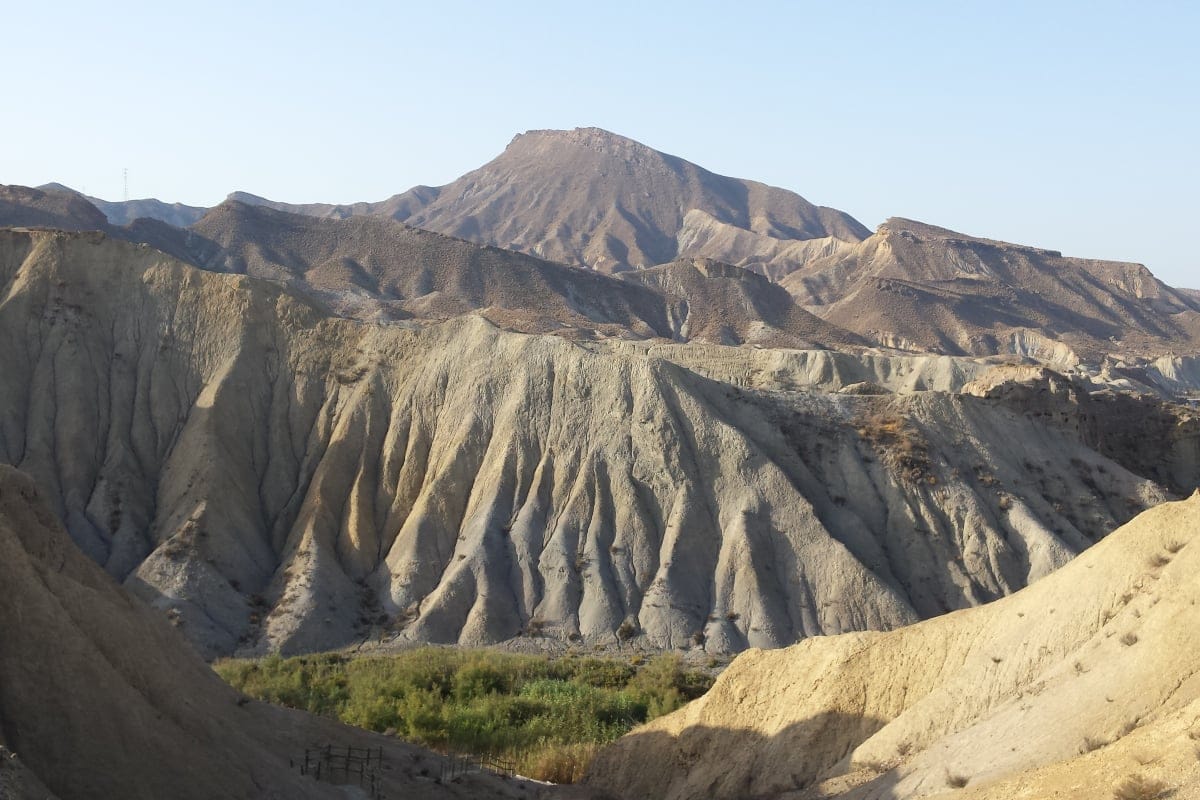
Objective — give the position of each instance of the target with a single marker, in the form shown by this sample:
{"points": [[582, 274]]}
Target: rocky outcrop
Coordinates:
{"points": [[99, 697], [277, 478], [1079, 684]]}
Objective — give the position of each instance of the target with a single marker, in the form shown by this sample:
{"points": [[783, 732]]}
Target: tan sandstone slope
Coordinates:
{"points": [[101, 698], [1085, 680], [277, 478]]}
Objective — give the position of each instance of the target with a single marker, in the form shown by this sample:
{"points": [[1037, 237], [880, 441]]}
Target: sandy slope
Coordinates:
{"points": [[1062, 690]]}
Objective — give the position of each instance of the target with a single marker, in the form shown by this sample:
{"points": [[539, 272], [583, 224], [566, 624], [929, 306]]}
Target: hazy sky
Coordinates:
{"points": [[1072, 126]]}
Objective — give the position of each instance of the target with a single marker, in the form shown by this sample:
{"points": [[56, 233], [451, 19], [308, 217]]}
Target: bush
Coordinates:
{"points": [[547, 715], [1139, 787]]}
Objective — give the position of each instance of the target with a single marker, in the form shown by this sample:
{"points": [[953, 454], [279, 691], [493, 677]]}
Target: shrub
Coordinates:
{"points": [[1139, 787], [956, 781], [549, 716]]}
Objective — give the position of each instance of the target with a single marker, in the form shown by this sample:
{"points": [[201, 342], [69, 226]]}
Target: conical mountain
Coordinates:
{"points": [[588, 197], [591, 197]]}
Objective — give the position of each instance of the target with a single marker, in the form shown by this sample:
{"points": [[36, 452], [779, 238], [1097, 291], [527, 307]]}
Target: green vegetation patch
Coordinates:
{"points": [[548, 715]]}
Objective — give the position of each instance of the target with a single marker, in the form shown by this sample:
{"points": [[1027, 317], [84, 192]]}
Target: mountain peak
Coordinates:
{"points": [[590, 197], [583, 135], [596, 139]]}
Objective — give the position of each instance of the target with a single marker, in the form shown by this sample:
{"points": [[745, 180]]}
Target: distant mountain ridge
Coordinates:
{"points": [[590, 198], [376, 268], [123, 212], [407, 272]]}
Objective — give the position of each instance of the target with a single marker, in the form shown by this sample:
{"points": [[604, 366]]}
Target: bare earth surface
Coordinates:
{"points": [[1065, 689]]}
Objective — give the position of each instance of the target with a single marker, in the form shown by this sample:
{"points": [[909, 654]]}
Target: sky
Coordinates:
{"points": [[1067, 125]]}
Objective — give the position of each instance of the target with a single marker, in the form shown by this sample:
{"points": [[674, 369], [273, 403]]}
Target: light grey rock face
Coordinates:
{"points": [[286, 480]]}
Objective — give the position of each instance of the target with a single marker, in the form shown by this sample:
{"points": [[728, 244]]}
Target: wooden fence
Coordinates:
{"points": [[346, 765]]}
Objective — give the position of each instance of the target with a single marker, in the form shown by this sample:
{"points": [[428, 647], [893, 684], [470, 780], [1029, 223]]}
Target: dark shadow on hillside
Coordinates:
{"points": [[729, 763]]}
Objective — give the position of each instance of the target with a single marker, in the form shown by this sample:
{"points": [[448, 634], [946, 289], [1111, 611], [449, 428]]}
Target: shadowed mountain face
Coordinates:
{"points": [[285, 479], [23, 206], [380, 268], [919, 287], [402, 272], [591, 198], [101, 698], [377, 268], [723, 304]]}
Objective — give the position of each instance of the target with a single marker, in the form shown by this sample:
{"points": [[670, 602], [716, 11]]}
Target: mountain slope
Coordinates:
{"points": [[377, 268], [101, 698], [22, 206], [593, 198], [284, 479], [587, 197], [123, 212], [1066, 689], [366, 266], [723, 304], [917, 286], [413, 272]]}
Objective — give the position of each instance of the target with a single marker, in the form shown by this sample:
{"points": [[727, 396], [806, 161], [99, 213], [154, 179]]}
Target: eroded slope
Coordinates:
{"points": [[278, 478], [99, 697]]}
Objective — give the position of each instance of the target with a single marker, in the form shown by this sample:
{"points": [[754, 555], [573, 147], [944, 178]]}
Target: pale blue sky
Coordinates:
{"points": [[1069, 125]]}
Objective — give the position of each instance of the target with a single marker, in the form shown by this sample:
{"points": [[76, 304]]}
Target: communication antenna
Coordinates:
{"points": [[125, 176]]}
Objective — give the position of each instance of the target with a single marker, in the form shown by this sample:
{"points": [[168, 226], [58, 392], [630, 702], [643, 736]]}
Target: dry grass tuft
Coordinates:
{"points": [[1159, 560], [956, 781], [1139, 787], [559, 763]]}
